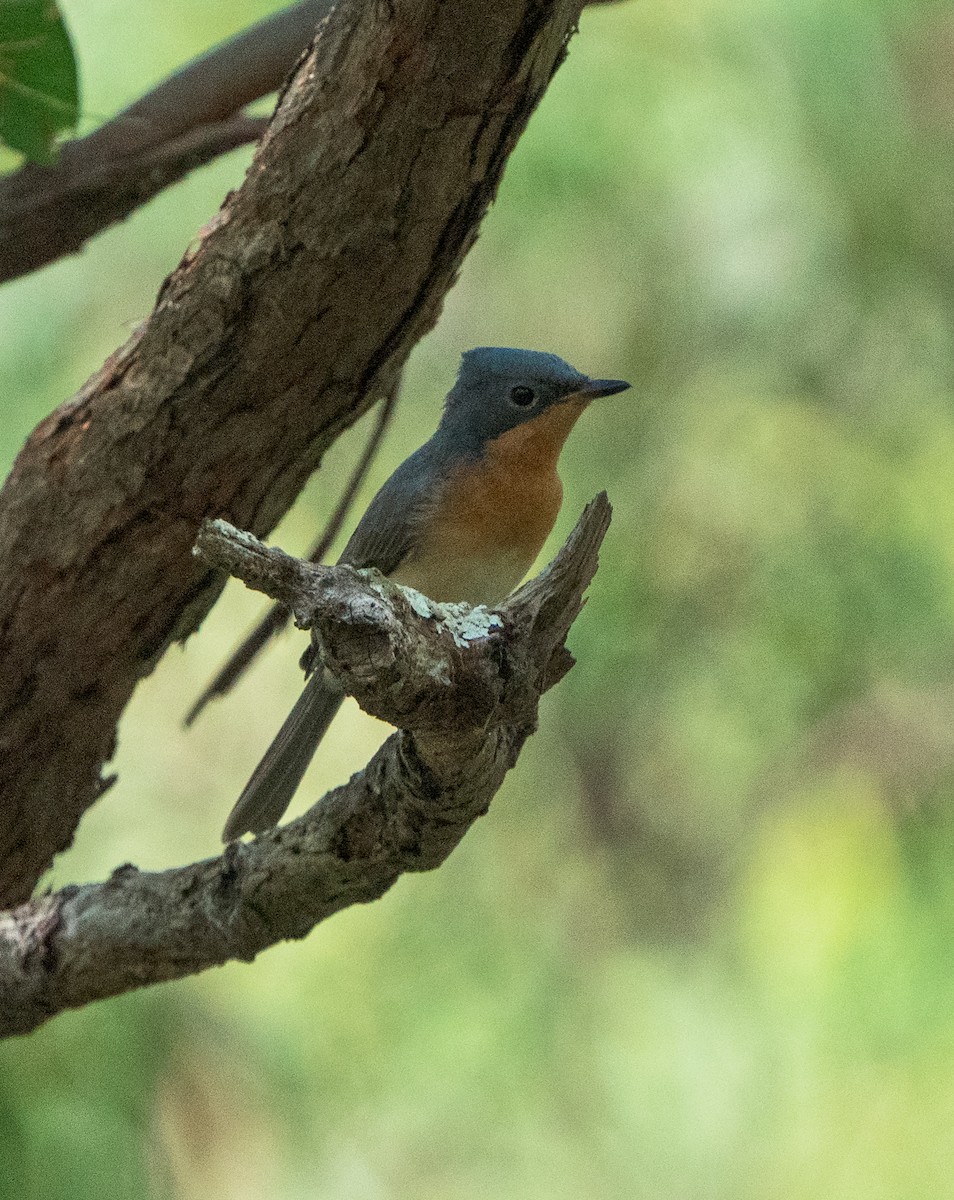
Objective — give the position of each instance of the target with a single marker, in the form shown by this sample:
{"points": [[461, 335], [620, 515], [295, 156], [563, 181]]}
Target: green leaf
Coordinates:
{"points": [[39, 93]]}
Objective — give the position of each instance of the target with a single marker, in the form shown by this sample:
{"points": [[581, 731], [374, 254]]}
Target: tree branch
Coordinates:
{"points": [[462, 683], [298, 307], [190, 118]]}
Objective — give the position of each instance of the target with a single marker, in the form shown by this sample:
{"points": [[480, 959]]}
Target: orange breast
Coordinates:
{"points": [[495, 514]]}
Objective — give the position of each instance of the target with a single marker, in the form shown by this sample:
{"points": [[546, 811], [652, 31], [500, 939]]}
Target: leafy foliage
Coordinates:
{"points": [[39, 92]]}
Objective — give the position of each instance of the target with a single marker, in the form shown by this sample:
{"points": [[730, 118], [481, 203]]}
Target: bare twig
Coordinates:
{"points": [[463, 684], [278, 615]]}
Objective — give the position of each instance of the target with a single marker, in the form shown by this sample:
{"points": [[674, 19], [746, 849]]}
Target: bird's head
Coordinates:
{"points": [[499, 388]]}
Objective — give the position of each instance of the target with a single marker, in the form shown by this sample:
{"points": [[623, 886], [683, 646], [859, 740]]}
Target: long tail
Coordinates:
{"points": [[276, 778]]}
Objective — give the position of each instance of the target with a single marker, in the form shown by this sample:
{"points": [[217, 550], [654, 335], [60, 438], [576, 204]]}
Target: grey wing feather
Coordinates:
{"points": [[384, 536]]}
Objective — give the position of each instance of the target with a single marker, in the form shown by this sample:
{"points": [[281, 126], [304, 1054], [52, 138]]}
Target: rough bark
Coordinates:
{"points": [[463, 684], [296, 308]]}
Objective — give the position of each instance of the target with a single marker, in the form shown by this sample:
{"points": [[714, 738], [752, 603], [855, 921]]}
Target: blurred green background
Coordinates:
{"points": [[700, 949]]}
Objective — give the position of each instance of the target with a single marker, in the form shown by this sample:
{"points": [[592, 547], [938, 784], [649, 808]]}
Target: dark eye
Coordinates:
{"points": [[523, 396]]}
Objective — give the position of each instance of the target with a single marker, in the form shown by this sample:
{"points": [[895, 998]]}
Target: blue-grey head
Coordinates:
{"points": [[499, 388]]}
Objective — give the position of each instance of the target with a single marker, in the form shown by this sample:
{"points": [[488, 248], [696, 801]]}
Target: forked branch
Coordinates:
{"points": [[462, 684]]}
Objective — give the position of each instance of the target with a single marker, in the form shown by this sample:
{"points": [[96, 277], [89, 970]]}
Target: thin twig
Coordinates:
{"points": [[278, 615]]}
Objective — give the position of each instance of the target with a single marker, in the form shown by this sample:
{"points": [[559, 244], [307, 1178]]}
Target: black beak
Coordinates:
{"points": [[594, 388]]}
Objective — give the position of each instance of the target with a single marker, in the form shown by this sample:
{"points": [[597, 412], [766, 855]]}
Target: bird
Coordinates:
{"points": [[461, 520]]}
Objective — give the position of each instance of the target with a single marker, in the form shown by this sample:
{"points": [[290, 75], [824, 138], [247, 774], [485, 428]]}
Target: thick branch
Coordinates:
{"points": [[298, 306], [463, 683], [189, 119]]}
